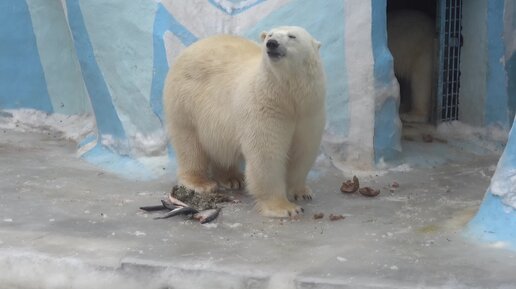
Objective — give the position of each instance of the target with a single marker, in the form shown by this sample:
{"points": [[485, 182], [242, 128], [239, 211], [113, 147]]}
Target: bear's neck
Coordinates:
{"points": [[297, 88]]}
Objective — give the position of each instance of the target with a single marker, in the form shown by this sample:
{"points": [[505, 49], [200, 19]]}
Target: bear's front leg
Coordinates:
{"points": [[302, 155], [265, 146]]}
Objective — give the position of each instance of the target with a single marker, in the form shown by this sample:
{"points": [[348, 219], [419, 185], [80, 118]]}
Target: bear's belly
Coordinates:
{"points": [[219, 138]]}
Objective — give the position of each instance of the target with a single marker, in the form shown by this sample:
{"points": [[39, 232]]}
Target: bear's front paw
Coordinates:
{"points": [[197, 183], [279, 208], [301, 194]]}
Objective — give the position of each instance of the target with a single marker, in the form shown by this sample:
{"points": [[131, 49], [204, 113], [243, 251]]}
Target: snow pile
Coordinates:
{"points": [[503, 184], [33, 270], [153, 144], [71, 127], [77, 127]]}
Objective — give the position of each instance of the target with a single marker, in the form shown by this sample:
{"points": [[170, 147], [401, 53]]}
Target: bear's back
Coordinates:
{"points": [[215, 55]]}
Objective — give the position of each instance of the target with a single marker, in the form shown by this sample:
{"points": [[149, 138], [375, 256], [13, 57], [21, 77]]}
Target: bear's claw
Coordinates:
{"points": [[304, 194]]}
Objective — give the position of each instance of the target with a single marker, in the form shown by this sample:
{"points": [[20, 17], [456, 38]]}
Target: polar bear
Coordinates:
{"points": [[228, 100], [411, 42]]}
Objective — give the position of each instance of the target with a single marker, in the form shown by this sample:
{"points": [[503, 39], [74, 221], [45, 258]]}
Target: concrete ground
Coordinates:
{"points": [[66, 224]]}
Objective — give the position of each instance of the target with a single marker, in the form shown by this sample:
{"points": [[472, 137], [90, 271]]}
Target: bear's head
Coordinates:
{"points": [[289, 44]]}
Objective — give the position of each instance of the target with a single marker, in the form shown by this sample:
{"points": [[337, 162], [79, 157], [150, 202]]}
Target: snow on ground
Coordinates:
{"points": [[70, 127], [33, 270]]}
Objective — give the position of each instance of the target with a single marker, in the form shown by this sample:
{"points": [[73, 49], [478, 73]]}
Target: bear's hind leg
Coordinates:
{"points": [[192, 160]]}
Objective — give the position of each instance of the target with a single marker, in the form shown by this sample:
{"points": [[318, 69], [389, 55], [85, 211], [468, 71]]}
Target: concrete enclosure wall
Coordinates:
{"points": [[109, 59]]}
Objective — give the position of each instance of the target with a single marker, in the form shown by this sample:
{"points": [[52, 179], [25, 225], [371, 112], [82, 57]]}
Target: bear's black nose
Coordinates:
{"points": [[272, 44]]}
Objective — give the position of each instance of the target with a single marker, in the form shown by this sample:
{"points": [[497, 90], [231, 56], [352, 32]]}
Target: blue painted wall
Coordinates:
{"points": [[58, 57], [387, 128], [164, 22], [496, 100], [511, 89], [22, 81], [105, 114], [109, 58]]}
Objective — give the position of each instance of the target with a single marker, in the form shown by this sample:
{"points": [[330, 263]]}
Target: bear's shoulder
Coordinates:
{"points": [[224, 45]]}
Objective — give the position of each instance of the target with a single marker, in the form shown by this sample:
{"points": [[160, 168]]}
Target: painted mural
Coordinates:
{"points": [[110, 59]]}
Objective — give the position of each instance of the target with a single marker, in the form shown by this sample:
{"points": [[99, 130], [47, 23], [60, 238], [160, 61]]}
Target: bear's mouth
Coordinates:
{"points": [[275, 55]]}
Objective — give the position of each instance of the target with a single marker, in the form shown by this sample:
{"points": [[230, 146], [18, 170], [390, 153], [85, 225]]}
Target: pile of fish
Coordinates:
{"points": [[176, 207]]}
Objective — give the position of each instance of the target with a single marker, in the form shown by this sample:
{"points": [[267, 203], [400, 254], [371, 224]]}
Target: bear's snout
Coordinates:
{"points": [[272, 44], [274, 50]]}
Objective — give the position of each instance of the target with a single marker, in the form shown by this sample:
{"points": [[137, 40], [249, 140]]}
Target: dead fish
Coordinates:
{"points": [[369, 192], [349, 187], [167, 204], [176, 202], [207, 216], [178, 211], [153, 208]]}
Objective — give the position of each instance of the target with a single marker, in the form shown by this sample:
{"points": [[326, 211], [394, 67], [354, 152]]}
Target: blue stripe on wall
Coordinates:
{"points": [[496, 98], [387, 133], [234, 11], [101, 101], [510, 66], [21, 75], [382, 56], [164, 22]]}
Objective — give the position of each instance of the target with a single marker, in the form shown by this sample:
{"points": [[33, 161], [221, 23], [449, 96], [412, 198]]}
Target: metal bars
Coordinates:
{"points": [[450, 19]]}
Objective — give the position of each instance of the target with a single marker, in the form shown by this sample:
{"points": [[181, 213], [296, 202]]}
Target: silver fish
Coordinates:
{"points": [[207, 216], [178, 211]]}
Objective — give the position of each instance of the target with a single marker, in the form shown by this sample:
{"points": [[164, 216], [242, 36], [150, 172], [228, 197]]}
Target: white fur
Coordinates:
{"points": [[411, 43], [226, 101]]}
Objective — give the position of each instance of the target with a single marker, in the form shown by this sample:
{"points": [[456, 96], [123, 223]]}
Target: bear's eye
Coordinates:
{"points": [[291, 36]]}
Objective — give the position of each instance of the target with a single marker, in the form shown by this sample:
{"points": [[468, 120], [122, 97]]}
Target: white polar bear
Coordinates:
{"points": [[228, 99], [411, 42]]}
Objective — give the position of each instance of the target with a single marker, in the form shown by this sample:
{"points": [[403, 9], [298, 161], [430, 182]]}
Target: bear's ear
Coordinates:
{"points": [[317, 44], [263, 35]]}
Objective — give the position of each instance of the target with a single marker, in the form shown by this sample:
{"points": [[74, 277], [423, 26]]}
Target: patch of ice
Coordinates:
{"points": [[139, 233], [8, 220]]}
